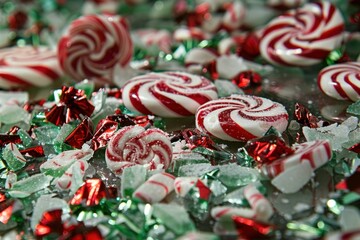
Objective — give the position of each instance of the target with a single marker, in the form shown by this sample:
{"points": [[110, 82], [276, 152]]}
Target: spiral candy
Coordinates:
{"points": [[303, 37], [341, 81], [240, 117], [134, 145], [168, 94], [23, 67], [94, 45]]}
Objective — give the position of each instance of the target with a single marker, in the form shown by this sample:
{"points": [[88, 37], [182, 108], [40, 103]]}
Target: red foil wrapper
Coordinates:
{"points": [[247, 79], [73, 105], [305, 117], [50, 223], [195, 139], [82, 133], [267, 149], [104, 131], [351, 183], [81, 232], [204, 191], [90, 193], [6, 139], [249, 47], [36, 151], [251, 229], [211, 70]]}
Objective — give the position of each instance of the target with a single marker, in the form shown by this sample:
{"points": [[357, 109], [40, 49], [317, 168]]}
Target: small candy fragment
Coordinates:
{"points": [[25, 187], [304, 36], [133, 145], [132, 178], [156, 188], [240, 117], [184, 184], [341, 81], [14, 159], [294, 178], [227, 211], [261, 206], [90, 193], [198, 236], [94, 46], [168, 94]]}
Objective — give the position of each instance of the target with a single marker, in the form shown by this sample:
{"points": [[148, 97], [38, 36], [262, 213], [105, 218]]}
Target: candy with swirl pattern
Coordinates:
{"points": [[133, 145], [93, 46], [341, 81], [168, 94], [240, 117], [303, 37], [24, 67]]}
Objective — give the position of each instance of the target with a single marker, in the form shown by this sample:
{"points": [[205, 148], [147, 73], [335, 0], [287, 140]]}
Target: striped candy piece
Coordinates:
{"points": [[227, 211], [156, 188], [184, 184], [24, 67], [303, 37], [94, 45], [240, 117], [168, 94], [134, 145], [317, 153], [154, 37], [258, 202], [341, 81], [71, 159]]}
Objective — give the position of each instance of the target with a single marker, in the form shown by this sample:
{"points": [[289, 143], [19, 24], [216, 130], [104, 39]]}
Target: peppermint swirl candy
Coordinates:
{"points": [[24, 67], [240, 117], [341, 81], [133, 145], [168, 94], [94, 45], [304, 36]]}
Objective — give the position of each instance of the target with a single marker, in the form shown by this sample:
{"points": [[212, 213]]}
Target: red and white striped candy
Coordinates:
{"points": [[150, 37], [73, 159], [240, 117], [227, 211], [184, 184], [317, 153], [168, 94], [258, 203], [183, 34], [197, 58], [24, 67], [156, 188], [134, 145], [234, 16], [341, 81], [94, 45], [304, 36]]}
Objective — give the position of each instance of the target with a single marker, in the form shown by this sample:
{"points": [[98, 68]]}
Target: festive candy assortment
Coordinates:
{"points": [[230, 119]]}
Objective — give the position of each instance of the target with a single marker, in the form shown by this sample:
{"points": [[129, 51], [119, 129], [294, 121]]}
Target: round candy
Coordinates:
{"points": [[240, 117], [24, 67], [341, 81], [168, 94], [94, 46], [304, 36], [134, 145]]}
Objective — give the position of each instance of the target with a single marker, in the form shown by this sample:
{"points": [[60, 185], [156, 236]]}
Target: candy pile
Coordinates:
{"points": [[179, 119]]}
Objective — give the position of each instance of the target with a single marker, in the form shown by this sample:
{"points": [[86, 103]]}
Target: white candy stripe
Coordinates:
{"points": [[156, 188], [240, 117], [317, 153], [341, 81], [258, 203], [304, 36], [133, 145], [94, 45], [168, 94]]}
